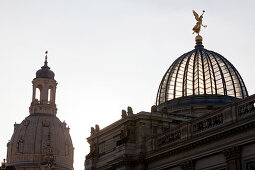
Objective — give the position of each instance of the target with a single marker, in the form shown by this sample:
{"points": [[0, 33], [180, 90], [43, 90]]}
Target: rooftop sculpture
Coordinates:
{"points": [[199, 19]]}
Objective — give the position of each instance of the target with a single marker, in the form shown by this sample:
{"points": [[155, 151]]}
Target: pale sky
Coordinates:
{"points": [[109, 54]]}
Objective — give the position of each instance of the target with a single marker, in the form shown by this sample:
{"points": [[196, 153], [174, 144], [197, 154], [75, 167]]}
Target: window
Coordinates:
{"points": [[50, 95], [38, 93], [20, 146]]}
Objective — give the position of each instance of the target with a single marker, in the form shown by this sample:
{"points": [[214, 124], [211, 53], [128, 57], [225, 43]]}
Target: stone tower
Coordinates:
{"points": [[41, 141]]}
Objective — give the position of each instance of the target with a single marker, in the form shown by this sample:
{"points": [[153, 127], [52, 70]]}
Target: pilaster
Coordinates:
{"points": [[233, 158]]}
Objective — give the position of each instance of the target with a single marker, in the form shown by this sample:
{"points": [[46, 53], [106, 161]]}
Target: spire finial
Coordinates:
{"points": [[46, 62], [46, 55]]}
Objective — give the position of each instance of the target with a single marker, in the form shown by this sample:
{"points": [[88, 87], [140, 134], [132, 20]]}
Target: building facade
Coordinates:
{"points": [[203, 120], [41, 141]]}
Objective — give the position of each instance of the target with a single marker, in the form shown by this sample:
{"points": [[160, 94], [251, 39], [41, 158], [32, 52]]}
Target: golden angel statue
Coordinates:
{"points": [[199, 19]]}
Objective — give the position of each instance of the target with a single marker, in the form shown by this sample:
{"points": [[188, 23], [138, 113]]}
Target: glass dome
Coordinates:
{"points": [[200, 72]]}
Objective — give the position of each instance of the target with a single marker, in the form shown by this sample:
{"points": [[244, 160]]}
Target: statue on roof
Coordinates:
{"points": [[199, 19]]}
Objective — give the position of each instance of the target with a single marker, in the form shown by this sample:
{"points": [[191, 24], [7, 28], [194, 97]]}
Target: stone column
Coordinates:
{"points": [[233, 158]]}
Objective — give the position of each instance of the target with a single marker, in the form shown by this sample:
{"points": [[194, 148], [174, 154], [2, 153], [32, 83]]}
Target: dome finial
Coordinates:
{"points": [[46, 57], [197, 27], [45, 61], [45, 71], [199, 40]]}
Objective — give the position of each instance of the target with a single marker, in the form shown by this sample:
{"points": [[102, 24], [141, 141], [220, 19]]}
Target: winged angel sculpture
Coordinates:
{"points": [[199, 19]]}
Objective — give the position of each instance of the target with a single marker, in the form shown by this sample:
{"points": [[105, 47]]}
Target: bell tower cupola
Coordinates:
{"points": [[44, 91]]}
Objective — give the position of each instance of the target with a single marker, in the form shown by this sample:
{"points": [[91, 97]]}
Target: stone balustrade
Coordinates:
{"points": [[217, 119]]}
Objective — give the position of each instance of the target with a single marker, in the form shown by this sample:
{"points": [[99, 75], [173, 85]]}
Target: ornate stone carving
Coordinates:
{"points": [[92, 131], [123, 114], [232, 153], [246, 108], [130, 111], [97, 128], [208, 123], [168, 138]]}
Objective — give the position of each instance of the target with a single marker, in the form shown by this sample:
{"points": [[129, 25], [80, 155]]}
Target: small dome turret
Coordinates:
{"points": [[45, 71]]}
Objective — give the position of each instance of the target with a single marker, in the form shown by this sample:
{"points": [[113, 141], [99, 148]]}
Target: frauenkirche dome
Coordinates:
{"points": [[41, 141]]}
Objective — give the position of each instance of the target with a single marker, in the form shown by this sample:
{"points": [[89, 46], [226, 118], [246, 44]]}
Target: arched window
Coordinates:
{"points": [[38, 93], [50, 95]]}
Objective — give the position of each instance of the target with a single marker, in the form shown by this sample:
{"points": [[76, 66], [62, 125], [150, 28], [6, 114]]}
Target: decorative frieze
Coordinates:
{"points": [[246, 108], [168, 138], [208, 123]]}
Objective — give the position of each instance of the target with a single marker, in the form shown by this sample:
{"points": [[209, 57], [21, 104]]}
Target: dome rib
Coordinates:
{"points": [[193, 72], [168, 87], [221, 75], [184, 79], [177, 74], [200, 72], [231, 76], [211, 73], [169, 75], [240, 80], [202, 61]]}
